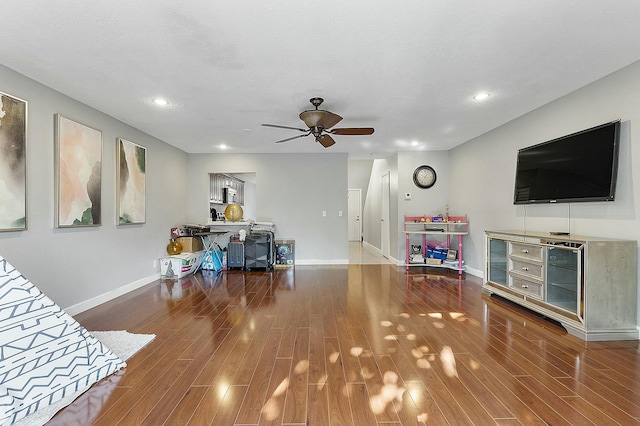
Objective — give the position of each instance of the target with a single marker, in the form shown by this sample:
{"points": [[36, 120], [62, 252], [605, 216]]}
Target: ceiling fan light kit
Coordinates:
{"points": [[311, 118], [319, 123]]}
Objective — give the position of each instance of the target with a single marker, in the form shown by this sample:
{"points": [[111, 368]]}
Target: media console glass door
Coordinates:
{"points": [[498, 261], [564, 278]]}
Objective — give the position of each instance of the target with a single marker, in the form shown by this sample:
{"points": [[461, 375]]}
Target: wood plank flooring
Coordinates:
{"points": [[350, 345]]}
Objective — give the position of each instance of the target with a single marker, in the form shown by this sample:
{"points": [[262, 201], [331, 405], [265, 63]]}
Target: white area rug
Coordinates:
{"points": [[122, 343]]}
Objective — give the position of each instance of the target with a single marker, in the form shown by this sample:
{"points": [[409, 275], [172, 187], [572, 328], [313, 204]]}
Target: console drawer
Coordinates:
{"points": [[530, 288], [527, 251], [530, 269]]}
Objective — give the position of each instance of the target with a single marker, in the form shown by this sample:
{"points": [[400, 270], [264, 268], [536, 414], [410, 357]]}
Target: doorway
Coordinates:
{"points": [[355, 212], [385, 229]]}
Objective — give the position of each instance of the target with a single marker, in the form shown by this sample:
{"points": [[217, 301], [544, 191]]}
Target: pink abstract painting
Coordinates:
{"points": [[79, 165]]}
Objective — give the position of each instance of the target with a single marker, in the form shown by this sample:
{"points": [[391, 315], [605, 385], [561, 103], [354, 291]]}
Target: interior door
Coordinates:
{"points": [[385, 230], [355, 212]]}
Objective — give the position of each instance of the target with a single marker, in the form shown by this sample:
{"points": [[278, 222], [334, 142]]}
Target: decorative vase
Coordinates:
{"points": [[174, 247], [233, 212]]}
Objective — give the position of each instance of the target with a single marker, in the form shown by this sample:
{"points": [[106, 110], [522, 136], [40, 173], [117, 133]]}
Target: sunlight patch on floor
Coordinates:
{"points": [[423, 355], [448, 362], [301, 367], [356, 351], [389, 393]]}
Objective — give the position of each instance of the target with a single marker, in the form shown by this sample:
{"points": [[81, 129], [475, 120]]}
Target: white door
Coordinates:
{"points": [[355, 211], [385, 230]]}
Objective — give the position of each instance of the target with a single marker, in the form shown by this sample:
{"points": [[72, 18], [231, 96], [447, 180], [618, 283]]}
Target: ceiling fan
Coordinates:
{"points": [[319, 124]]}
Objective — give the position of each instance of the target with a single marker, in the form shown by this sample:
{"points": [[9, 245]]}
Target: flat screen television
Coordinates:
{"points": [[582, 166]]}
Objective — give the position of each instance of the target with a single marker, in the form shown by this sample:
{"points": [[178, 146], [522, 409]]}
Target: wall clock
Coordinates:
{"points": [[424, 176]]}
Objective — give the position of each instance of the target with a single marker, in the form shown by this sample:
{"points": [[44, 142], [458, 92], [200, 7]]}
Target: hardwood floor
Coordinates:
{"points": [[362, 254], [350, 345]]}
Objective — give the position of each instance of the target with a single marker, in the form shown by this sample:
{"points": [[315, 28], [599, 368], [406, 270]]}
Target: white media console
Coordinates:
{"points": [[587, 284]]}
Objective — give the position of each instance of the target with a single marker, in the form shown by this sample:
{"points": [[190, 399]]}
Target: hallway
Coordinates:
{"points": [[361, 254]]}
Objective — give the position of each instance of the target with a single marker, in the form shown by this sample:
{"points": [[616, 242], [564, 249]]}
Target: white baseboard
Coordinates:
{"points": [[105, 297], [475, 272], [378, 251], [395, 261], [322, 262], [372, 247]]}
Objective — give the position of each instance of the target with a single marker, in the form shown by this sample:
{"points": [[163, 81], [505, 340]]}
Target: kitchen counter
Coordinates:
{"points": [[228, 226], [227, 223]]}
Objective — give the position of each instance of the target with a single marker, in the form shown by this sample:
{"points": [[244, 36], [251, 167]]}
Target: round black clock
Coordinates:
{"points": [[424, 177]]}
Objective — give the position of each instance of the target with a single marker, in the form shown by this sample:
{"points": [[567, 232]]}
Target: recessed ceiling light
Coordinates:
{"points": [[481, 96], [415, 143], [223, 146], [160, 102]]}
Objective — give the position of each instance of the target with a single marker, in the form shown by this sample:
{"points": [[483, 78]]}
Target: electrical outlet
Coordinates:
{"points": [[324, 213], [340, 213], [155, 263]]}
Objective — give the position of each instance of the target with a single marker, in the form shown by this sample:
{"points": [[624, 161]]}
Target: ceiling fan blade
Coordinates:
{"points": [[325, 140], [285, 127], [352, 131], [320, 118], [292, 138]]}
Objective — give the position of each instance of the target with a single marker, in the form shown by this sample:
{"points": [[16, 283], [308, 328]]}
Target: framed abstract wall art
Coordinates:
{"points": [[131, 163], [13, 163], [78, 174]]}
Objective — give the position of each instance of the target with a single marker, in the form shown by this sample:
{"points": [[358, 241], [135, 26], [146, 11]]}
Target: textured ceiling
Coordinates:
{"points": [[407, 68]]}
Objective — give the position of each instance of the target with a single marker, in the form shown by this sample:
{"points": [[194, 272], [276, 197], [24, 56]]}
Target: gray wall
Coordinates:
{"points": [[477, 177], [360, 175], [92, 264], [291, 191], [483, 170], [430, 201], [83, 266]]}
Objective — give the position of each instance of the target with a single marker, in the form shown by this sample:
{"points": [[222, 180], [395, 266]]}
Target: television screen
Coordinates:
{"points": [[579, 167]]}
